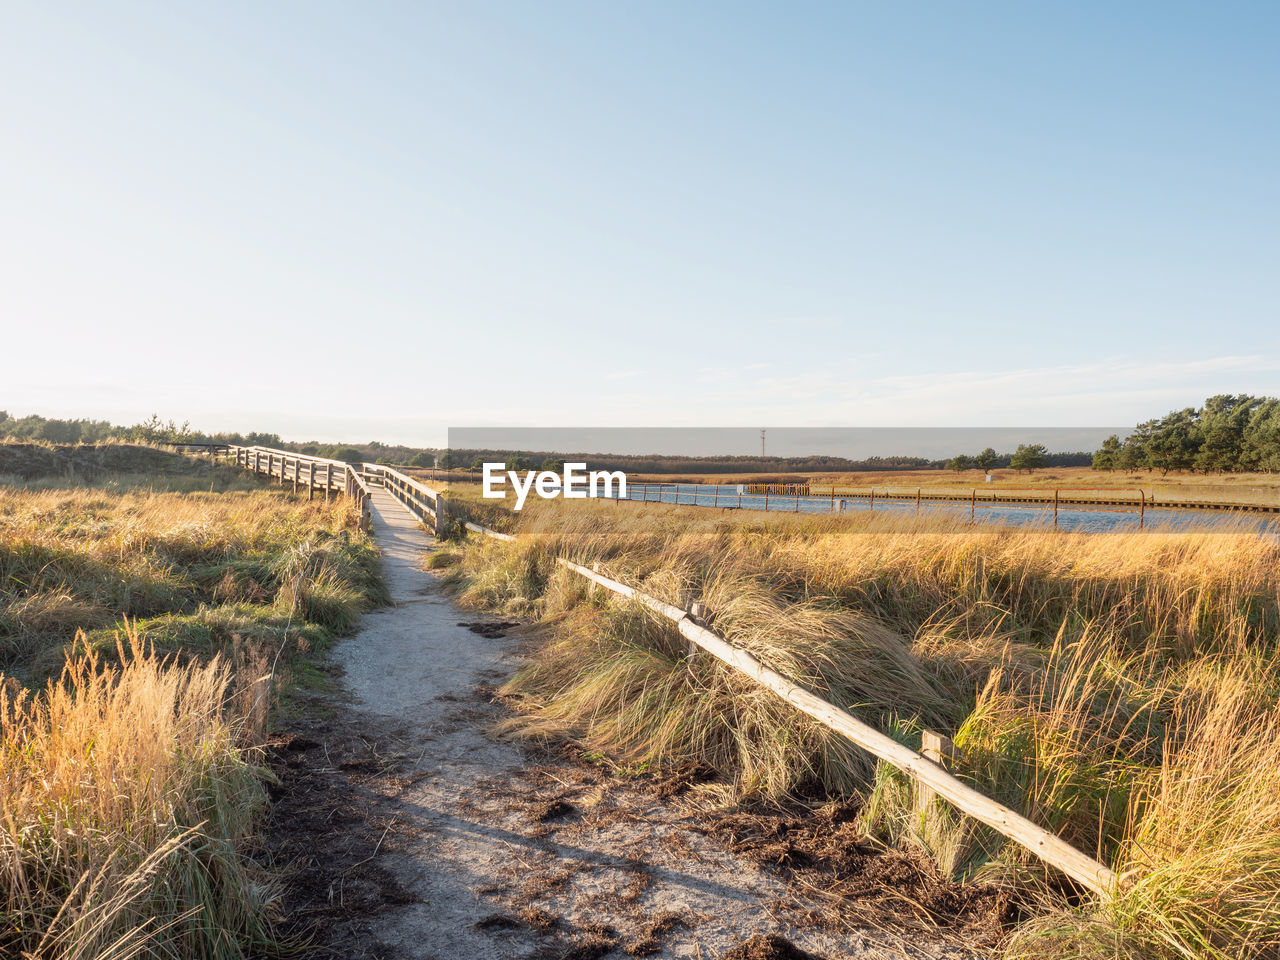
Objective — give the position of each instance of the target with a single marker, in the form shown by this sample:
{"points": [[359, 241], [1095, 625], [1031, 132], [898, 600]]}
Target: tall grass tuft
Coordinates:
{"points": [[128, 795]]}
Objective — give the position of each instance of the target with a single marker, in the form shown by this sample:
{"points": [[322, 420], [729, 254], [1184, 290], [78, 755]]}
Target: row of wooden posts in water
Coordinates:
{"points": [[781, 494]]}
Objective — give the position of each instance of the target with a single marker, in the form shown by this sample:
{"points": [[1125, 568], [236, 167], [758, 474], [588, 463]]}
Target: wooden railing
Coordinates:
{"points": [[425, 503], [930, 776], [313, 474]]}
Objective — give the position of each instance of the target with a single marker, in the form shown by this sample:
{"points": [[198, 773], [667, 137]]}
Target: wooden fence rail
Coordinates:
{"points": [[927, 774]]}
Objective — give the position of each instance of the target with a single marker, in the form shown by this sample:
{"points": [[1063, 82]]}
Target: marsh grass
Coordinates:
{"points": [[147, 630], [128, 796], [193, 566], [1119, 689]]}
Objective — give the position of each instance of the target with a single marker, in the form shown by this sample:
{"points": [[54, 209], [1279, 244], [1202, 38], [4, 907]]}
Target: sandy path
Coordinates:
{"points": [[501, 853]]}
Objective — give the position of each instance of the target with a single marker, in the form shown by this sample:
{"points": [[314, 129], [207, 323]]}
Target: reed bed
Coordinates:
{"points": [[1122, 690], [147, 629]]}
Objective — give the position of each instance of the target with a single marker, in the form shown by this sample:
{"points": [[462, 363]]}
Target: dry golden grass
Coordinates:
{"points": [[131, 782], [1120, 689], [127, 797], [77, 557]]}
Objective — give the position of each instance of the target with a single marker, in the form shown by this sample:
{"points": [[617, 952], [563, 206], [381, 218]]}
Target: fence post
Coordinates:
{"points": [[698, 611], [942, 751]]}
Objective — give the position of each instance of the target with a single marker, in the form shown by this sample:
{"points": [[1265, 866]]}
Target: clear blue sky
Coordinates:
{"points": [[547, 213]]}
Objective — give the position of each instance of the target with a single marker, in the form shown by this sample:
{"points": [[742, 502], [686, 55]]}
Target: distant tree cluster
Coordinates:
{"points": [[1229, 433], [1028, 457], [36, 428], [54, 431]]}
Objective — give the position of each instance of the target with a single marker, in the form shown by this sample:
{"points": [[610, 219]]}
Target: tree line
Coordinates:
{"points": [[665, 463], [38, 429], [1229, 433], [1028, 457]]}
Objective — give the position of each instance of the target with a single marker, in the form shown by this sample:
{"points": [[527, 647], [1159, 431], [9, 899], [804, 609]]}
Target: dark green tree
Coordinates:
{"points": [[1109, 457], [1260, 443], [1175, 441], [1222, 425], [1028, 457]]}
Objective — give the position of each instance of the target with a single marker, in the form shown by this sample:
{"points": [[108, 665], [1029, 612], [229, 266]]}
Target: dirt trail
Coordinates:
{"points": [[421, 836]]}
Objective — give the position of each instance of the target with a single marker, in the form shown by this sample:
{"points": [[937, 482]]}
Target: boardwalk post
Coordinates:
{"points": [[873, 498], [1142, 509], [766, 497], [716, 502], [311, 481], [917, 501], [973, 503], [833, 499], [1055, 508], [440, 515]]}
